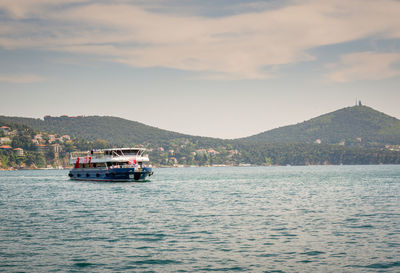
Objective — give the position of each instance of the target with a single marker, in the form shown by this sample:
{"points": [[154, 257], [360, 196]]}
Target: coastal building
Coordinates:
{"points": [[6, 130], [57, 148], [52, 138], [4, 140], [5, 147], [211, 151], [233, 153], [173, 160], [37, 139], [19, 151], [41, 148], [393, 147], [64, 138]]}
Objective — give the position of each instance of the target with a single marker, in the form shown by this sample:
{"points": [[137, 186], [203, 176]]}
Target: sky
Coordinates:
{"points": [[217, 68]]}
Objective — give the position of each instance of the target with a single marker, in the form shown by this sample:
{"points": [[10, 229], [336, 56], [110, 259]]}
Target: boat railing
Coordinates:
{"points": [[136, 166], [123, 166], [100, 155]]}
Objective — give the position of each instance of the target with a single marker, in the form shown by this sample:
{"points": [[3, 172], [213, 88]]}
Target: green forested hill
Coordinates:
{"points": [[114, 130], [362, 132], [350, 125]]}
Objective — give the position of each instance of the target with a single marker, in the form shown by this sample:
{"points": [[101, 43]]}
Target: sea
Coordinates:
{"points": [[211, 219]]}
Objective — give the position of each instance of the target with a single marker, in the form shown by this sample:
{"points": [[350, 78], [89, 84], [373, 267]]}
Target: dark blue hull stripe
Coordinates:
{"points": [[108, 180]]}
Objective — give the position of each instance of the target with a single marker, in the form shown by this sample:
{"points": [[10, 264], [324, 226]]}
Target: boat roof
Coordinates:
{"points": [[123, 149]]}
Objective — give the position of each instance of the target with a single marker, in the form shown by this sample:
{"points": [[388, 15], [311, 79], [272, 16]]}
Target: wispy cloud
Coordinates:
{"points": [[21, 9], [237, 45], [365, 66], [20, 78]]}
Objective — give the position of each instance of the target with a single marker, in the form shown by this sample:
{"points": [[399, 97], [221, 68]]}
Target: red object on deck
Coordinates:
{"points": [[90, 160], [77, 163]]}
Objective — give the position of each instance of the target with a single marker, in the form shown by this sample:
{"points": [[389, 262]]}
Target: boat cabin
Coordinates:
{"points": [[109, 158]]}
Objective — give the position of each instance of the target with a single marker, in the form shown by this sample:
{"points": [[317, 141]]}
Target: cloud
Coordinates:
{"points": [[238, 46], [365, 66], [31, 8], [21, 78]]}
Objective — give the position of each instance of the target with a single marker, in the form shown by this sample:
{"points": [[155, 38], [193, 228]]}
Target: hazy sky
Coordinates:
{"points": [[221, 68]]}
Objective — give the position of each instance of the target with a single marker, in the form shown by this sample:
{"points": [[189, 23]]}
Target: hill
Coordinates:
{"points": [[364, 130], [352, 125], [116, 131]]}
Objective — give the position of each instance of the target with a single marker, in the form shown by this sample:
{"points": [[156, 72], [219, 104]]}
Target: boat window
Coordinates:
{"points": [[116, 152], [124, 152], [132, 152]]}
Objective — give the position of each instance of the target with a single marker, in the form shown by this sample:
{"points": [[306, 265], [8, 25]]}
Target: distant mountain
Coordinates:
{"points": [[114, 130], [357, 125], [352, 125], [361, 132]]}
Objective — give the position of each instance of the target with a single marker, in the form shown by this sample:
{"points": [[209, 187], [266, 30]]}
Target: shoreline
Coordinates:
{"points": [[210, 166]]}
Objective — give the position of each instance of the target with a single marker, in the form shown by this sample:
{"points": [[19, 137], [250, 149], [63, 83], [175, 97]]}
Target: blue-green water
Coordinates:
{"points": [[258, 219]]}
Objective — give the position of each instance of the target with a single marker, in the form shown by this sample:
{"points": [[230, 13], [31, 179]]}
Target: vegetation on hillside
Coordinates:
{"points": [[315, 154], [28, 148], [353, 135], [116, 131], [351, 126]]}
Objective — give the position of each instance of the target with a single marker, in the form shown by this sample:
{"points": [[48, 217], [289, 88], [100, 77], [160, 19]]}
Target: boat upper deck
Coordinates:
{"points": [[110, 155]]}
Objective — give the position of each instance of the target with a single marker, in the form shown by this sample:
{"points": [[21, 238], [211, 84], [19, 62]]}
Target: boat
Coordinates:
{"points": [[115, 165]]}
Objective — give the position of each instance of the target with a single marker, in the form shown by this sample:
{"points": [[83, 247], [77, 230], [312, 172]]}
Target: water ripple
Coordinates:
{"points": [[264, 219]]}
